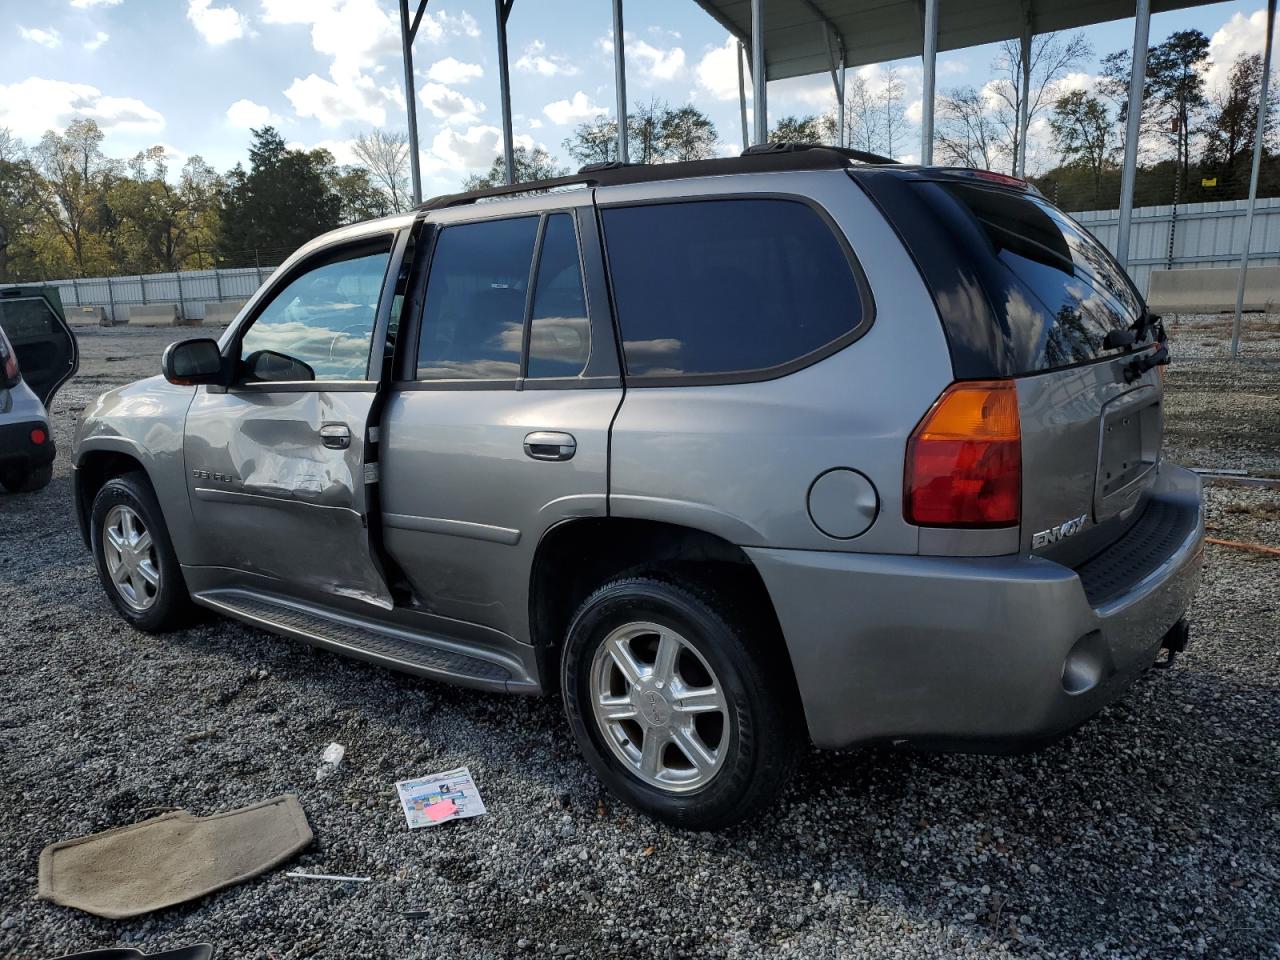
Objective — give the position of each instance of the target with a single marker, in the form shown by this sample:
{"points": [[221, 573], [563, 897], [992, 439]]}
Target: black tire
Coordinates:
{"points": [[171, 606], [26, 479], [761, 735]]}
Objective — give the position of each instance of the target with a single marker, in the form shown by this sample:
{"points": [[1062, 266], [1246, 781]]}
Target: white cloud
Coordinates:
{"points": [[450, 105], [216, 24], [1076, 80], [472, 149], [341, 149], [46, 38], [99, 39], [717, 71], [536, 60], [451, 70], [358, 98], [574, 110], [245, 114], [915, 111], [86, 4], [1239, 36], [34, 105], [655, 63], [952, 67]]}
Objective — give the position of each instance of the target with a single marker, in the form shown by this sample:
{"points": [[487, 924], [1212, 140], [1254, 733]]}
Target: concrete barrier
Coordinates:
{"points": [[221, 313], [92, 316], [1212, 290], [154, 315]]}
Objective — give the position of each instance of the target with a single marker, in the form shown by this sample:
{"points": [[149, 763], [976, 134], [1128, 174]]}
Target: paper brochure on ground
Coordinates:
{"points": [[440, 797]]}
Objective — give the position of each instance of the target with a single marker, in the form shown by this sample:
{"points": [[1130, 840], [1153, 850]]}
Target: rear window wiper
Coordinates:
{"points": [[1136, 332]]}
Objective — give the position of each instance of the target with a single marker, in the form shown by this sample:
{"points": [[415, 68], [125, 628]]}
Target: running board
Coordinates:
{"points": [[410, 652]]}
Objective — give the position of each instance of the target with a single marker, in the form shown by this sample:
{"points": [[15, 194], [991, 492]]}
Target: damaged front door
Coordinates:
{"points": [[276, 462]]}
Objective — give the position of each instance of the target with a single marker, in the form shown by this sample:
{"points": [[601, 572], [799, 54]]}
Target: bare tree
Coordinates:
{"points": [[386, 155], [892, 110], [967, 134], [1053, 56], [11, 148]]}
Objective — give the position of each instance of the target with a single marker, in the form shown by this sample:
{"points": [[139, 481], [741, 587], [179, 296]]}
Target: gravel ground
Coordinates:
{"points": [[1152, 832]]}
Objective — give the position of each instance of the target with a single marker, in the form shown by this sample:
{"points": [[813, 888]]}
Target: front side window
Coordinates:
{"points": [[727, 286], [320, 326], [473, 319]]}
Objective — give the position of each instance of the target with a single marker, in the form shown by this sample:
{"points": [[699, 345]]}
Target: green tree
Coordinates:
{"points": [[535, 164], [20, 213], [1083, 133], [285, 198], [1175, 74], [1233, 114], [687, 134], [75, 178], [798, 130], [595, 141]]}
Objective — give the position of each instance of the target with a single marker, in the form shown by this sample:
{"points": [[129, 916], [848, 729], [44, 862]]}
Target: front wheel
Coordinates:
{"points": [[674, 703], [135, 558]]}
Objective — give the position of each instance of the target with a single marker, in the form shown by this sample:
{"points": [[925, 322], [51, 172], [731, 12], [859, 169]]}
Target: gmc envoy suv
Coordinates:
{"points": [[728, 452]]}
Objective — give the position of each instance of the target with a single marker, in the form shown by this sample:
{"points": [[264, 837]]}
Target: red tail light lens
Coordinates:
{"points": [[964, 460]]}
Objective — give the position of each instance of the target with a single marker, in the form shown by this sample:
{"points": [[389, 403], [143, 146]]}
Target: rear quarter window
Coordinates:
{"points": [[737, 288], [1057, 289]]}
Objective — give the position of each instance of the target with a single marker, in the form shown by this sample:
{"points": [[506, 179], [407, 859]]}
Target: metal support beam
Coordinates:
{"points": [[835, 58], [502, 10], [409, 30], [930, 74], [1024, 101], [742, 97], [759, 81], [620, 80], [1137, 82], [1258, 137]]}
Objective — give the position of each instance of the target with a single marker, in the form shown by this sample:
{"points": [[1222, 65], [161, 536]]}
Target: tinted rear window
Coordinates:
{"points": [[1056, 288], [727, 286]]}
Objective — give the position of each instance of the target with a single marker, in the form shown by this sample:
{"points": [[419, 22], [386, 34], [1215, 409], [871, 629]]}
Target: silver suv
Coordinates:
{"points": [[728, 452]]}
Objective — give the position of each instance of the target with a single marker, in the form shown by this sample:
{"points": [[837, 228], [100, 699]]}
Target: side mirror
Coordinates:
{"points": [[191, 362], [267, 366]]}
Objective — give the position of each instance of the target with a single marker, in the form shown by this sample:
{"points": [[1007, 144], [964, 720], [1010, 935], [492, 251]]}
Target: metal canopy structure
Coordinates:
{"points": [[876, 31]]}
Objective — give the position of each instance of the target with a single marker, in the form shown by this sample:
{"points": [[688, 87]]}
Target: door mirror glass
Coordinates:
{"points": [[268, 366], [44, 347], [189, 362]]}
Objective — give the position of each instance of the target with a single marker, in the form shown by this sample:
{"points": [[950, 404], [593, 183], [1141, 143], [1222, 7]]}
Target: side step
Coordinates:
{"points": [[379, 643]]}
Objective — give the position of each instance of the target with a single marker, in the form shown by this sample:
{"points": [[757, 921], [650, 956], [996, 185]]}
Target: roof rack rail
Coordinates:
{"points": [[774, 157], [862, 156]]}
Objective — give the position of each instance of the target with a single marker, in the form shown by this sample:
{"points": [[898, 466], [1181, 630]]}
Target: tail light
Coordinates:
{"points": [[9, 374], [964, 459]]}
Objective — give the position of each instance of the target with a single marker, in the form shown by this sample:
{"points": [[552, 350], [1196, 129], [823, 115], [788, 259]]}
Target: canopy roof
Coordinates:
{"points": [[875, 31]]}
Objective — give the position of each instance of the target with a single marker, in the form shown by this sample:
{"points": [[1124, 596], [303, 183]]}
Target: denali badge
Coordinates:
{"points": [[1060, 532]]}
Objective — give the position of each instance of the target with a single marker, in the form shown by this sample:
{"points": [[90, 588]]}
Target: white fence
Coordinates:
{"points": [[1195, 235], [191, 290]]}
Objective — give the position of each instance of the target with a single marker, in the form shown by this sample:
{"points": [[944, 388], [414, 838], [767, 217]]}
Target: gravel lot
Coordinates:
{"points": [[1152, 832]]}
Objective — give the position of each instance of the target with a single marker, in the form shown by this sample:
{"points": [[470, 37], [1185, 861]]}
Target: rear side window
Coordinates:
{"points": [[1059, 289], [728, 286], [559, 332], [473, 321]]}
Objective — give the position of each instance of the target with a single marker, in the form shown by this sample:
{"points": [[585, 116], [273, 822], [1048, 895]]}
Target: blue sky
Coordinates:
{"points": [[195, 75]]}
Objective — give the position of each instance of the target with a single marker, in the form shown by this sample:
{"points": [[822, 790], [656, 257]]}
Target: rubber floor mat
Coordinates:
{"points": [[171, 859]]}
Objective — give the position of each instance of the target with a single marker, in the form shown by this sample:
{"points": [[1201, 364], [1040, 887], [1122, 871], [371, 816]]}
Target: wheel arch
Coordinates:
{"points": [[576, 555], [93, 468]]}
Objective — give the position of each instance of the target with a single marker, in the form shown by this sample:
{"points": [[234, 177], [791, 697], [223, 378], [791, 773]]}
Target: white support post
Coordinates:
{"points": [[1137, 82], [842, 138], [620, 80], [1024, 101], [930, 73], [759, 80], [502, 9], [742, 97], [1258, 137]]}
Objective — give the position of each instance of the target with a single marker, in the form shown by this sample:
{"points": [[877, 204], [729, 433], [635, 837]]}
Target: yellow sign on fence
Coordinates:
{"points": [[1208, 181]]}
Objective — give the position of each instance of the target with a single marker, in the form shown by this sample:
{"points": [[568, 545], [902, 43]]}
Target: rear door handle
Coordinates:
{"points": [[549, 445], [335, 436]]}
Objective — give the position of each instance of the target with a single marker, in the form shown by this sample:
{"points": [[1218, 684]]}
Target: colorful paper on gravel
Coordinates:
{"points": [[439, 798]]}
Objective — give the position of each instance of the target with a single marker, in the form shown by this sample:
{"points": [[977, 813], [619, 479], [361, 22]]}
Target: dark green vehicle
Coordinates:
{"points": [[38, 354]]}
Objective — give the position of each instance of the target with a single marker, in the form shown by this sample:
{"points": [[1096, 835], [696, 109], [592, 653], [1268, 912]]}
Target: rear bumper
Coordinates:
{"points": [[992, 652], [16, 448]]}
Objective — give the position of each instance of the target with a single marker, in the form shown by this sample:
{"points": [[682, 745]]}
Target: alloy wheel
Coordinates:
{"points": [[660, 707], [131, 558]]}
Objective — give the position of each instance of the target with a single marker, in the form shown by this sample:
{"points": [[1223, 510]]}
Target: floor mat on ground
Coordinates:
{"points": [[170, 859]]}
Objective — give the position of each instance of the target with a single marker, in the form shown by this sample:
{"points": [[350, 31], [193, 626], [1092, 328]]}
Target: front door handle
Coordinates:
{"points": [[549, 445], [335, 436]]}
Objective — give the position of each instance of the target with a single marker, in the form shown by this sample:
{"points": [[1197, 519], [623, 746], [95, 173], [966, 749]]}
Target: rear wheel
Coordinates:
{"points": [[26, 479], [673, 707], [135, 558]]}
